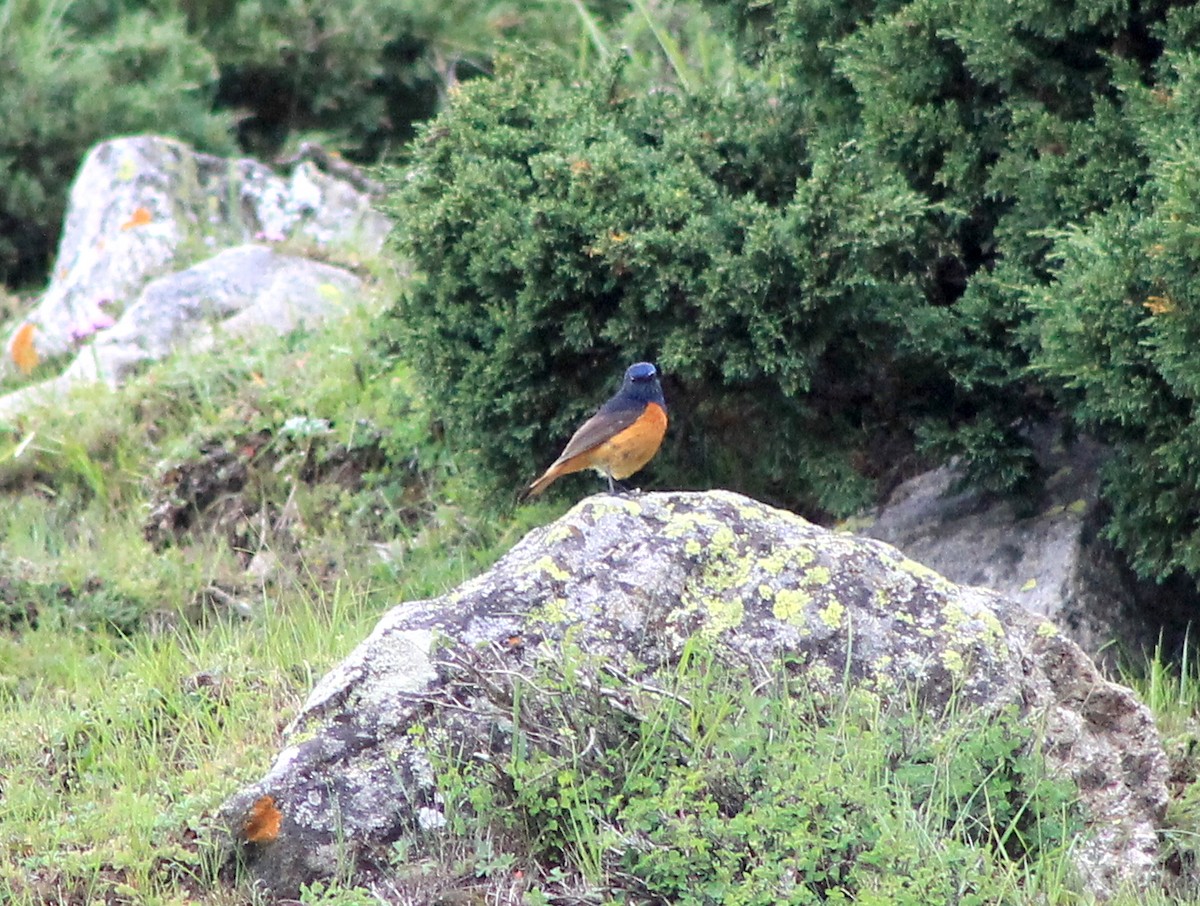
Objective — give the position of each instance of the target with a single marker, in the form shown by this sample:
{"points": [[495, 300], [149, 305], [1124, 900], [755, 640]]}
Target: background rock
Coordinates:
{"points": [[629, 581], [1052, 559], [229, 295], [146, 206]]}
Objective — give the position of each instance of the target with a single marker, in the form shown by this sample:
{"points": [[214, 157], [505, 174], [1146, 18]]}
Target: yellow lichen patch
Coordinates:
{"points": [[549, 567], [773, 564], [993, 629], [832, 614], [955, 616], [766, 592], [1047, 630], [776, 562], [905, 617], [610, 505], [751, 512], [818, 575], [790, 603], [921, 571], [553, 612], [723, 614], [681, 524], [724, 539], [693, 548], [560, 532], [729, 567], [953, 661]]}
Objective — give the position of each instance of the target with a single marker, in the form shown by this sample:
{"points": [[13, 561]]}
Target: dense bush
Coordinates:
{"points": [[842, 251], [355, 74], [224, 75], [1120, 324], [567, 230], [1007, 121]]}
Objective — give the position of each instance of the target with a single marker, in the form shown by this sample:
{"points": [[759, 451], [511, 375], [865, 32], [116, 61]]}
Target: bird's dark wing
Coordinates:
{"points": [[600, 427]]}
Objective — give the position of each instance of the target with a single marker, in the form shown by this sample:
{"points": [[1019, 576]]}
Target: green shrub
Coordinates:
{"points": [[351, 74], [828, 248], [1009, 118], [566, 230], [1119, 327]]}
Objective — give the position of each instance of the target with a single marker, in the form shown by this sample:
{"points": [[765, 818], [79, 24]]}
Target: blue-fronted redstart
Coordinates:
{"points": [[620, 438]]}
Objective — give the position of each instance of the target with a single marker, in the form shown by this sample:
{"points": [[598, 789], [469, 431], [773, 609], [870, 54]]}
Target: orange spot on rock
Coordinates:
{"points": [[24, 353], [140, 217], [263, 822]]}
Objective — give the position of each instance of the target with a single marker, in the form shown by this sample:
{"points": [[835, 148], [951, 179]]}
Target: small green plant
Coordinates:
{"points": [[715, 789], [332, 894], [1171, 689]]}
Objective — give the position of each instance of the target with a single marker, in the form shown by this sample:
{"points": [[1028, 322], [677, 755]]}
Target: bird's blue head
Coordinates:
{"points": [[642, 371], [641, 385]]}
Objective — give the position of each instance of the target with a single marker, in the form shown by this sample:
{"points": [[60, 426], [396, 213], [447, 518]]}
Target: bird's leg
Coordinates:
{"points": [[612, 489]]}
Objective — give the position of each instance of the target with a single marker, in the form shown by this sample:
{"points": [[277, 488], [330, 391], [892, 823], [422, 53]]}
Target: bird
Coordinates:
{"points": [[620, 438]]}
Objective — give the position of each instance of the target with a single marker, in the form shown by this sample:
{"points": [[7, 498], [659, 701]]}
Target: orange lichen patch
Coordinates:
{"points": [[263, 821], [1159, 305], [140, 217], [514, 644], [24, 353]]}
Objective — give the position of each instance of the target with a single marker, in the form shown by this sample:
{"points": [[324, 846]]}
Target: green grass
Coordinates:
{"points": [[146, 674], [731, 787]]}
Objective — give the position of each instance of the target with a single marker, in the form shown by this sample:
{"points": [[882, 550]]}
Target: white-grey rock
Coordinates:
{"points": [[627, 581], [1051, 560], [232, 294], [145, 215]]}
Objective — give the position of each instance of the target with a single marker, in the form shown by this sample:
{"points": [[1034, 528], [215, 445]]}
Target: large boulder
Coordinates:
{"points": [[630, 580]]}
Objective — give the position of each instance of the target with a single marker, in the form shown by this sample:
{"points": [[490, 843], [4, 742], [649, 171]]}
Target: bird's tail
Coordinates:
{"points": [[548, 478]]}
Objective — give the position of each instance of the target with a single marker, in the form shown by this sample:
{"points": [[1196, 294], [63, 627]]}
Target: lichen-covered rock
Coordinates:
{"points": [[629, 580], [146, 205], [236, 293], [228, 295]]}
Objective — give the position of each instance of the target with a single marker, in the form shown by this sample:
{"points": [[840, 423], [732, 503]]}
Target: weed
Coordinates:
{"points": [[720, 785]]}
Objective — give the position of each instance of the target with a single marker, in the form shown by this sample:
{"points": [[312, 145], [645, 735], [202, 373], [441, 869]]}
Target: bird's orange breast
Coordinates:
{"points": [[631, 448]]}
